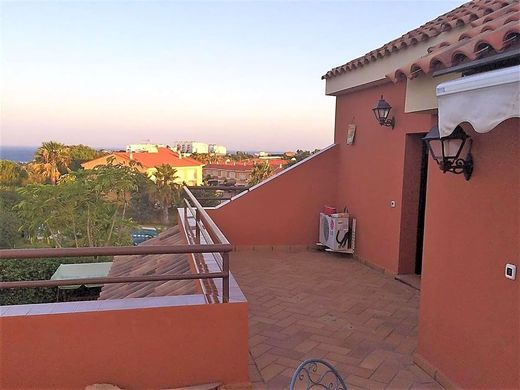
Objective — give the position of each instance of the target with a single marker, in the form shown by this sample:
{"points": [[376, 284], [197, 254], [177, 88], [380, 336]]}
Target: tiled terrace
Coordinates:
{"points": [[314, 304]]}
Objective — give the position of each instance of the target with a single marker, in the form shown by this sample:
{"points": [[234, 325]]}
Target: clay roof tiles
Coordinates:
{"points": [[152, 265], [163, 156], [493, 25]]}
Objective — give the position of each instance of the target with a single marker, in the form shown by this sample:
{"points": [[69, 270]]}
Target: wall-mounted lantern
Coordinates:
{"points": [[449, 152], [382, 111]]}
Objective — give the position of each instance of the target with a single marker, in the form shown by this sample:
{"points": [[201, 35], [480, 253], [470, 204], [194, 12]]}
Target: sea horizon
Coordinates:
{"points": [[25, 154]]}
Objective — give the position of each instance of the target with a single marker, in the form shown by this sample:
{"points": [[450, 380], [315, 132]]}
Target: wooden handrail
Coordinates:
{"points": [[113, 251], [110, 280]]}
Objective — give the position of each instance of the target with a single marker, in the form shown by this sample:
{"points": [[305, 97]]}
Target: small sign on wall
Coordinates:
{"points": [[351, 133]]}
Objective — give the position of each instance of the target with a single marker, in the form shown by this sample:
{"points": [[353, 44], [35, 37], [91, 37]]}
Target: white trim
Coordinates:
{"points": [[482, 80], [276, 175]]}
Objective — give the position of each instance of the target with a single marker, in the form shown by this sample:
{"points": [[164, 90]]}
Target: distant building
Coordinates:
{"points": [[152, 148], [188, 169], [189, 147], [238, 171], [217, 149]]}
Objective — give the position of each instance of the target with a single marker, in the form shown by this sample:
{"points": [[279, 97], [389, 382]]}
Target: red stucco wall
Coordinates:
{"points": [[470, 313], [164, 347], [285, 210], [371, 173], [469, 318]]}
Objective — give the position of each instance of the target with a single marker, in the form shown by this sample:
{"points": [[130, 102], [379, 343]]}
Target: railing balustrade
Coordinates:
{"points": [[226, 192], [215, 243]]}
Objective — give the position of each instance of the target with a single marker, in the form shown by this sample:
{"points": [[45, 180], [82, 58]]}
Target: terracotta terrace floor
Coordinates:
{"points": [[320, 305]]}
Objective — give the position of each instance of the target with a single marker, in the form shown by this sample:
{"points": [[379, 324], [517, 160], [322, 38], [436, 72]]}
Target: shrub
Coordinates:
{"points": [[35, 269]]}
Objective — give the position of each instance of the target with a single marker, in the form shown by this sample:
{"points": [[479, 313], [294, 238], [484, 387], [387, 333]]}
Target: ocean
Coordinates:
{"points": [[20, 154], [24, 154]]}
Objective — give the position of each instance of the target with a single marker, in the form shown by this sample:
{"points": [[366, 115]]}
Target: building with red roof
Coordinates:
{"points": [[189, 170], [239, 171]]}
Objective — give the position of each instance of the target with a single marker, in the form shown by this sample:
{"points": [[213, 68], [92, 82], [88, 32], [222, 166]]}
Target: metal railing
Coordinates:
{"points": [[218, 244], [206, 230], [226, 192]]}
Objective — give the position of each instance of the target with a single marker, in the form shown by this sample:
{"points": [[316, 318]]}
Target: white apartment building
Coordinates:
{"points": [[149, 148], [189, 147], [217, 149]]}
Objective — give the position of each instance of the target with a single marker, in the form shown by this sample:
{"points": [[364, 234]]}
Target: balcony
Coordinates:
{"points": [[169, 327]]}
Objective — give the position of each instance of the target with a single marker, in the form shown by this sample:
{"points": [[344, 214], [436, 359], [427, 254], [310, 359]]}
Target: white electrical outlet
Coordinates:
{"points": [[510, 271]]}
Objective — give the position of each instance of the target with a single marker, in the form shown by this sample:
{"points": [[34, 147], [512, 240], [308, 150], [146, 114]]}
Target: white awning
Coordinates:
{"points": [[484, 100], [81, 271]]}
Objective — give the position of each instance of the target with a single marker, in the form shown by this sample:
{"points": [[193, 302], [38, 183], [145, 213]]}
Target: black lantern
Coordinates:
{"points": [[382, 111], [448, 151]]}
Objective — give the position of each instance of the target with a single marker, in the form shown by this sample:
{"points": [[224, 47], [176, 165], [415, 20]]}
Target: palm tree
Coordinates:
{"points": [[259, 173], [50, 157], [165, 190]]}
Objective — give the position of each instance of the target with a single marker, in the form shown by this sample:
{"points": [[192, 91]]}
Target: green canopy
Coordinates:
{"points": [[80, 271]]}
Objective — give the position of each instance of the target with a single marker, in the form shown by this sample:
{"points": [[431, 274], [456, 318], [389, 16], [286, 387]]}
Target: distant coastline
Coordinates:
{"points": [[21, 154], [25, 154]]}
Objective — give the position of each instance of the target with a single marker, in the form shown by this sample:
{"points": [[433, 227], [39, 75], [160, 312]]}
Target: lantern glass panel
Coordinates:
{"points": [[383, 113], [436, 149], [452, 147]]}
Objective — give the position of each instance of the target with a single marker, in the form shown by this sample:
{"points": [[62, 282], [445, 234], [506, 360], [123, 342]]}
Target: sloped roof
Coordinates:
{"points": [[493, 28], [163, 156], [148, 159], [152, 265]]}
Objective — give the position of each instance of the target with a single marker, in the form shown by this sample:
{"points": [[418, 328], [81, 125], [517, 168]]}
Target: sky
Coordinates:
{"points": [[243, 74]]}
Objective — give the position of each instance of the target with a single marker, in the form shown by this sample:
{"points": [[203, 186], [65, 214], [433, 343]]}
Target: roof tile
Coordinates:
{"points": [[152, 265], [493, 23], [494, 37]]}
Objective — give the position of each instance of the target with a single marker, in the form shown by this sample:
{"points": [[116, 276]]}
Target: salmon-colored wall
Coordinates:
{"points": [[470, 313], [285, 210], [164, 347], [372, 171]]}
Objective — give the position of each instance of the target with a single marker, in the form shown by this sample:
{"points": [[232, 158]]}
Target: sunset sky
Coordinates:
{"points": [[242, 74]]}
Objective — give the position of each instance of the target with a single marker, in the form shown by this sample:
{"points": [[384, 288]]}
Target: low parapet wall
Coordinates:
{"points": [[147, 345], [284, 209]]}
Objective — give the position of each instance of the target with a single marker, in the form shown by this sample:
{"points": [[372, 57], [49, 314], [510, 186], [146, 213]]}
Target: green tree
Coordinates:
{"points": [[86, 208], [11, 174], [81, 153], [9, 221], [50, 158], [260, 172], [142, 207], [301, 155], [205, 158], [34, 174], [164, 190], [240, 156]]}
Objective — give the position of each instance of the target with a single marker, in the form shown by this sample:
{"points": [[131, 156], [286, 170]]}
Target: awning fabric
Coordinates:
{"points": [[80, 271], [484, 100]]}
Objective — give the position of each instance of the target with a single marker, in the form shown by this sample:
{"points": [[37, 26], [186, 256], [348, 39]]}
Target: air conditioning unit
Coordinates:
{"points": [[337, 232]]}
